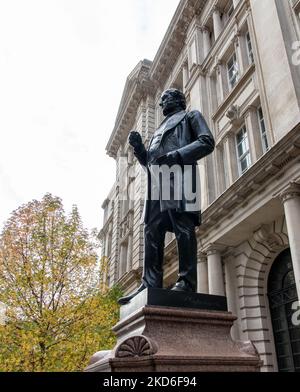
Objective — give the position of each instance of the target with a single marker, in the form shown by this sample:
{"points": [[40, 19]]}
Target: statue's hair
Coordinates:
{"points": [[178, 95]]}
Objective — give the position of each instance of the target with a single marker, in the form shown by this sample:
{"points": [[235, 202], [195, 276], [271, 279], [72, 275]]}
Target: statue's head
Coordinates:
{"points": [[172, 100]]}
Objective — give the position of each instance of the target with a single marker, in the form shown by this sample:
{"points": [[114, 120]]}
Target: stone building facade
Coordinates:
{"points": [[236, 61]]}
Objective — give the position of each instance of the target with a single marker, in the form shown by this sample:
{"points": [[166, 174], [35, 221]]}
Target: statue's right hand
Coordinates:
{"points": [[135, 139]]}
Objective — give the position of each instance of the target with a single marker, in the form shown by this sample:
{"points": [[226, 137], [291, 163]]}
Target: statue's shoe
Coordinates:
{"points": [[183, 286], [127, 298]]}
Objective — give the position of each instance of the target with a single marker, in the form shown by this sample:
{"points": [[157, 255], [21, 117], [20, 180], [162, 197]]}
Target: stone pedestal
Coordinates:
{"points": [[166, 338]]}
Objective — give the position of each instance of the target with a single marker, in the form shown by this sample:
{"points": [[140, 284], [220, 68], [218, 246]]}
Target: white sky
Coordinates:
{"points": [[63, 66]]}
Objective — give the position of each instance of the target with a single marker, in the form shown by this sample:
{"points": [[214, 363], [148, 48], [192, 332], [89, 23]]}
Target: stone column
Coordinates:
{"points": [[231, 294], [218, 25], [243, 50], [185, 76], [202, 272], [107, 238], [237, 43], [206, 41], [252, 125], [122, 260], [291, 202], [222, 83], [230, 159], [215, 271], [212, 91], [129, 254], [220, 169]]}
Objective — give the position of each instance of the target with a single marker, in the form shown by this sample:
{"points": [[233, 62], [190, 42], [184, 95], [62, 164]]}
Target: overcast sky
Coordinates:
{"points": [[63, 66]]}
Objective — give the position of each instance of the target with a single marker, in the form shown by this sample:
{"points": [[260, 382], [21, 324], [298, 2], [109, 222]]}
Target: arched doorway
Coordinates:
{"points": [[282, 294]]}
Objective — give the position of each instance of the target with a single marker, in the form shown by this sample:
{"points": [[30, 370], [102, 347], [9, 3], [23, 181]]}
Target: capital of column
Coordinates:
{"points": [[250, 109], [202, 258], [218, 66], [216, 10], [291, 192], [214, 249], [235, 40], [228, 136], [215, 269], [217, 21], [229, 252], [205, 29]]}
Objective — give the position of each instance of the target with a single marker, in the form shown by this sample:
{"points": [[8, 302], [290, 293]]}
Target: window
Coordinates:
{"points": [[263, 131], [125, 206], [212, 38], [123, 259], [105, 215], [230, 10], [249, 48], [233, 71], [243, 151]]}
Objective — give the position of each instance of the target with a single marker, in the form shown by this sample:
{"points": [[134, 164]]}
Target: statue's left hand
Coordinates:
{"points": [[135, 140], [170, 159]]}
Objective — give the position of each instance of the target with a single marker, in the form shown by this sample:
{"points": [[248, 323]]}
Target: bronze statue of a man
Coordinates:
{"points": [[181, 140]]}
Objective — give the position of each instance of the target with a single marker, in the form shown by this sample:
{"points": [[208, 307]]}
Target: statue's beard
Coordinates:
{"points": [[171, 109]]}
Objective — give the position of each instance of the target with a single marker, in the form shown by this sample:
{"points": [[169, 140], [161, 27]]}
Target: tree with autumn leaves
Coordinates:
{"points": [[56, 316]]}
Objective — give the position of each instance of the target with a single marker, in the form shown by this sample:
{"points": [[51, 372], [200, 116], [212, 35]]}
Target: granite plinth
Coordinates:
{"points": [[157, 338], [170, 298]]}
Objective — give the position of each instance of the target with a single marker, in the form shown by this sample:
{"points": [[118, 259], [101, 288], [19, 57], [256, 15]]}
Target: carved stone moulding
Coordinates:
{"points": [[136, 346]]}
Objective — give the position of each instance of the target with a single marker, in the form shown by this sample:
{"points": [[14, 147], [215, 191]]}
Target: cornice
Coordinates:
{"points": [[105, 227], [174, 39], [137, 85]]}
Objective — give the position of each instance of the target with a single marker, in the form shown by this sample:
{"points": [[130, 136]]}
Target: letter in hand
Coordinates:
{"points": [[135, 140]]}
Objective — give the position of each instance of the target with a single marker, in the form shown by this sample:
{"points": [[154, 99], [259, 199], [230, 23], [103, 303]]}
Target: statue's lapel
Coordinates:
{"points": [[171, 122]]}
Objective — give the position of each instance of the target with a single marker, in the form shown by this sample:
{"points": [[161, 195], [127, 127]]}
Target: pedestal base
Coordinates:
{"points": [[170, 339]]}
